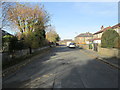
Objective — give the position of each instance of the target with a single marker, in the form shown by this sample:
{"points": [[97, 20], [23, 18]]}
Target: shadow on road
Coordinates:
{"points": [[113, 60], [90, 74], [47, 70]]}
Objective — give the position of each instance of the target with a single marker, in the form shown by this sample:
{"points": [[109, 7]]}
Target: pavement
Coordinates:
{"points": [[113, 61], [64, 67]]}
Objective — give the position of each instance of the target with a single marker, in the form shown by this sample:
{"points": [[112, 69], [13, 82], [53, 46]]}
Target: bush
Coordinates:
{"points": [[117, 42], [108, 37], [12, 43], [90, 46]]}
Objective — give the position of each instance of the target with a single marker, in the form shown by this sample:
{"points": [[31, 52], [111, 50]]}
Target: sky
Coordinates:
{"points": [[73, 18]]}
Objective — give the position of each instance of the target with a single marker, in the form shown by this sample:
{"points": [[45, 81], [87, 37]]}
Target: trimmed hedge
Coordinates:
{"points": [[117, 42], [108, 38]]}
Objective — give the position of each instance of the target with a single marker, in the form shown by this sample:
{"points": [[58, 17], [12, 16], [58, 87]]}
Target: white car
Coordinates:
{"points": [[72, 45]]}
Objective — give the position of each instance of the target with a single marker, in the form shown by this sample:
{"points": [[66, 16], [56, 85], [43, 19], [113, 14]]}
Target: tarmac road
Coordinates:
{"points": [[64, 67]]}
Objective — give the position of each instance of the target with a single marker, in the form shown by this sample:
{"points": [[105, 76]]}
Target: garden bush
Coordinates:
{"points": [[117, 42], [108, 37], [12, 43], [90, 46]]}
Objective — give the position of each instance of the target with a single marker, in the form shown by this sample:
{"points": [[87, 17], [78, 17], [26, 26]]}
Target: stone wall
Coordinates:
{"points": [[21, 53], [7, 57], [112, 52], [84, 46]]}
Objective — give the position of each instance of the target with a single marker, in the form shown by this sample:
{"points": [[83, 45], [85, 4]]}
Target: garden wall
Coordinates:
{"points": [[7, 57], [84, 46], [112, 52]]}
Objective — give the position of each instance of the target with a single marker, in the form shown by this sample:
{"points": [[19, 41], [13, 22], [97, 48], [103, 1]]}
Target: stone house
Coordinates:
{"points": [[83, 38], [97, 35], [117, 28], [64, 42]]}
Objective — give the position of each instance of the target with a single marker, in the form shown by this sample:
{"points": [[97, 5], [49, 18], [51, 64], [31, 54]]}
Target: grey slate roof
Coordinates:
{"points": [[85, 35], [3, 32]]}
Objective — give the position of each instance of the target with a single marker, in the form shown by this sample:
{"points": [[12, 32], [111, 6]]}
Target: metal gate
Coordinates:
{"points": [[95, 46]]}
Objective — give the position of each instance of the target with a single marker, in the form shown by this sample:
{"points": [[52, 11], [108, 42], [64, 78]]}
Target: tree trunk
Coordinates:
{"points": [[30, 50]]}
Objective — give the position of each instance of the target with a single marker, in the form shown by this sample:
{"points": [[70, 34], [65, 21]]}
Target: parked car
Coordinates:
{"points": [[72, 45]]}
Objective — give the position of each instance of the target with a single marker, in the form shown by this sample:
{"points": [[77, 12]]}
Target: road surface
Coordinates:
{"points": [[64, 67]]}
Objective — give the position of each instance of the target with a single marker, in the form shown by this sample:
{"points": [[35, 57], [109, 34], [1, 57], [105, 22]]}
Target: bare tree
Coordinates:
{"points": [[52, 35], [4, 7], [29, 20]]}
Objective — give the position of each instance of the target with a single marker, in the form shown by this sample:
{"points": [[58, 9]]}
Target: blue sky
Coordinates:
{"points": [[73, 18]]}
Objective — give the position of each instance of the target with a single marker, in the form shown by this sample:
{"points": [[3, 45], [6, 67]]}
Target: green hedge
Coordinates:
{"points": [[90, 46], [108, 38], [12, 43], [117, 42]]}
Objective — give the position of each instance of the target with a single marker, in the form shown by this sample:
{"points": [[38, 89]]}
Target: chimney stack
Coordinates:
{"points": [[102, 27]]}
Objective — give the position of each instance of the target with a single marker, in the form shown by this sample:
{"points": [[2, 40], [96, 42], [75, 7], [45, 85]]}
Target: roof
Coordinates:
{"points": [[94, 39], [85, 35], [103, 30], [67, 40], [116, 26], [4, 32]]}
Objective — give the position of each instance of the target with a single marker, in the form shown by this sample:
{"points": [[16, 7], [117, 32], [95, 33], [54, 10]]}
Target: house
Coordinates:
{"points": [[117, 28], [64, 42], [3, 32], [97, 35], [83, 38]]}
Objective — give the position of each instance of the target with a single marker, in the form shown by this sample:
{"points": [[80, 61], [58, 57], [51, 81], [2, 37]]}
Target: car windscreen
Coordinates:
{"points": [[72, 43]]}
